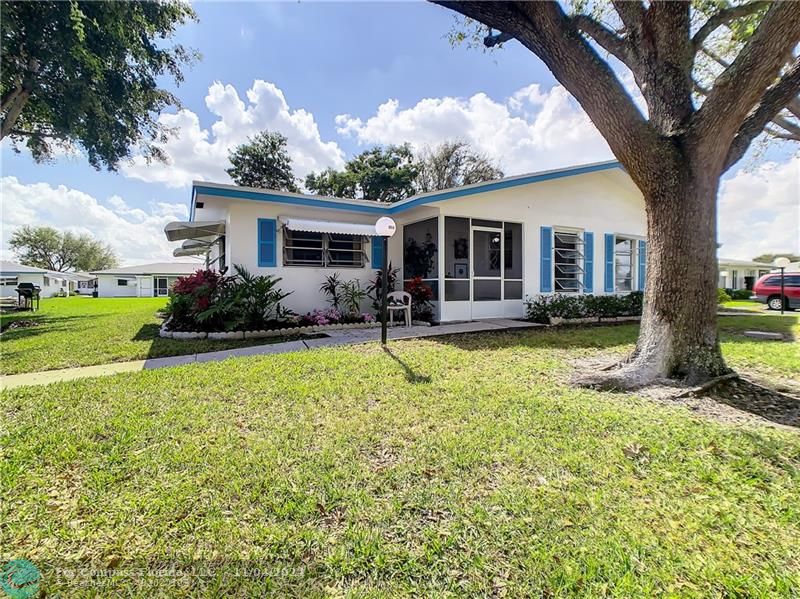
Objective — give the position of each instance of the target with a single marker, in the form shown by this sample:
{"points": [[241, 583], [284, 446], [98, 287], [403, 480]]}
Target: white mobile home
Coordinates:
{"points": [[740, 274], [481, 248], [50, 282], [145, 280]]}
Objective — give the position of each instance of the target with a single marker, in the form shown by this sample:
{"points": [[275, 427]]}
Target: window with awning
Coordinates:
{"points": [[324, 244]]}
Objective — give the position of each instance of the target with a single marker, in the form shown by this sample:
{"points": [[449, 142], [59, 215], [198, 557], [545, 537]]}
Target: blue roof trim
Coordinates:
{"points": [[266, 196]]}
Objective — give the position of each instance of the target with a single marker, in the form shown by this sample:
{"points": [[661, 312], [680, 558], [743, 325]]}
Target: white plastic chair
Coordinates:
{"points": [[405, 304]]}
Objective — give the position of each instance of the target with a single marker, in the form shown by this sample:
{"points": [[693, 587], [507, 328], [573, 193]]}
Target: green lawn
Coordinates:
{"points": [[750, 305], [461, 466], [83, 331]]}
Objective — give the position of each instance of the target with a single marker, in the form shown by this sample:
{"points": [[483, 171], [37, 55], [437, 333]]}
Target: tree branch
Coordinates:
{"points": [[771, 104], [605, 38], [743, 85], [544, 29], [725, 16], [631, 12], [496, 39]]}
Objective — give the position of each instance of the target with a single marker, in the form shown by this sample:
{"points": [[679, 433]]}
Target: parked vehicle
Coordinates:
{"points": [[767, 290]]}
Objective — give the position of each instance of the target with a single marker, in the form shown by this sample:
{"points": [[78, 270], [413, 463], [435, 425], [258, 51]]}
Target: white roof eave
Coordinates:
{"points": [[178, 230]]}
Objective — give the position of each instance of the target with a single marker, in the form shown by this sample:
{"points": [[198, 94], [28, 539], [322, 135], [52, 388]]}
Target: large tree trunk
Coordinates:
{"points": [[678, 336]]}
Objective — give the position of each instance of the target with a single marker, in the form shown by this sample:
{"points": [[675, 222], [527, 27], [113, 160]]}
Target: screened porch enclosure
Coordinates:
{"points": [[473, 266]]}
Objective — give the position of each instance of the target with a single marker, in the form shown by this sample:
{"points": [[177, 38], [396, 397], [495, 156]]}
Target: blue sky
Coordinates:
{"points": [[330, 71]]}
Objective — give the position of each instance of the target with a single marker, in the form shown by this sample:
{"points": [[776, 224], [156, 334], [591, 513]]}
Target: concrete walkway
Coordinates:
{"points": [[334, 338]]}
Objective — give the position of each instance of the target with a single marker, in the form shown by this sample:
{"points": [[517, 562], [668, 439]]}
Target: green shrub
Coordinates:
{"points": [[741, 294], [209, 301], [722, 296], [544, 307]]}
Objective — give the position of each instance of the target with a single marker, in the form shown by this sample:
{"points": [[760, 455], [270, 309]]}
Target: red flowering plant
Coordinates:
{"points": [[193, 294], [421, 294]]}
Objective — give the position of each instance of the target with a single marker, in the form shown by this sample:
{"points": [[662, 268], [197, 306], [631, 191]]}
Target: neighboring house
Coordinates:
{"points": [[50, 282], [145, 280], [740, 274], [481, 248], [84, 283], [793, 267]]}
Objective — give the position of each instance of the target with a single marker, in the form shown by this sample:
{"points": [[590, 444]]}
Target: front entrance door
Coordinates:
{"points": [[487, 272], [161, 287]]}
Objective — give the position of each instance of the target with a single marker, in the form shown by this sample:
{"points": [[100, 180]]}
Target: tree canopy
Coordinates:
{"points": [[263, 162], [394, 173], [770, 258], [451, 164], [87, 74], [384, 174], [46, 247]]}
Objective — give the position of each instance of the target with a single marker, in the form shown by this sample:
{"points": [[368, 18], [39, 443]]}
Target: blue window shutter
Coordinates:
{"points": [[267, 241], [609, 270], [588, 261], [642, 263], [546, 260], [377, 252]]}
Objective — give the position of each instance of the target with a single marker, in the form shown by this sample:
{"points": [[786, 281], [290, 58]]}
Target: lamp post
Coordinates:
{"points": [[782, 263], [385, 227]]}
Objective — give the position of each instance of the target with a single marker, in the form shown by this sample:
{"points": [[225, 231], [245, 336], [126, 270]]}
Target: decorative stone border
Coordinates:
{"points": [[219, 336], [557, 320]]}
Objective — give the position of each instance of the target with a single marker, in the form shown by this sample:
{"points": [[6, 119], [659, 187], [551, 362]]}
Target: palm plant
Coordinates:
{"points": [[352, 296], [331, 288]]}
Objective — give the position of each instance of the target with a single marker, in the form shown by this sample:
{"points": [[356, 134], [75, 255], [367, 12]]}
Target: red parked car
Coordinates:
{"points": [[767, 290]]}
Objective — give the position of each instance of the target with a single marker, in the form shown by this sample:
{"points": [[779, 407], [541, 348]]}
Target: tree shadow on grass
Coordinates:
{"points": [[568, 337], [411, 376], [43, 324], [769, 404]]}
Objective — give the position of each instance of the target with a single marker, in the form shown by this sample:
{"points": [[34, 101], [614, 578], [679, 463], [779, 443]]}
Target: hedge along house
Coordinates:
{"points": [[481, 248]]}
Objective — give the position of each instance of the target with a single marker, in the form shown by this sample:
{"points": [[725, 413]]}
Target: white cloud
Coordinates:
{"points": [[532, 130], [202, 153], [759, 211], [136, 235]]}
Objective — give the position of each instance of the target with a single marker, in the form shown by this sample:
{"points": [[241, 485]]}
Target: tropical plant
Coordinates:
{"points": [[352, 296], [207, 300], [374, 289], [332, 288], [418, 258], [421, 294]]}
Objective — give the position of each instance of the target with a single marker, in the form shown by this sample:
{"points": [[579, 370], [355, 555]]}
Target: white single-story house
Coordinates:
{"points": [[144, 280], [481, 248], [50, 282], [84, 282], [740, 274]]}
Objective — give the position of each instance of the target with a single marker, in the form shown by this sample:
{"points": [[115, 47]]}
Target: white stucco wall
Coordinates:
{"points": [[54, 284], [107, 286], [599, 202]]}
